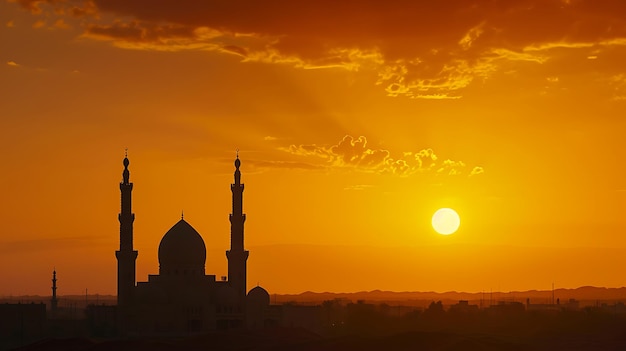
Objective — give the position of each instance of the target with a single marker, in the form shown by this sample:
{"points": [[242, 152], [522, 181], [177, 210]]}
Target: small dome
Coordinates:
{"points": [[258, 295], [182, 251]]}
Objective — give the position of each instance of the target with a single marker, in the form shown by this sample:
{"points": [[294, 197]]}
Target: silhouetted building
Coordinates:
{"points": [[541, 306], [102, 320], [182, 297], [572, 305], [21, 323], [53, 301], [507, 308], [126, 256], [463, 306], [298, 316]]}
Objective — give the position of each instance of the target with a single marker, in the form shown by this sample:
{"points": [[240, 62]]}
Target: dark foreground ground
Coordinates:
{"points": [[300, 339]]}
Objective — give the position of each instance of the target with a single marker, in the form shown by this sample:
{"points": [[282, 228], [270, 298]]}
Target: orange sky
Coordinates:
{"points": [[356, 120]]}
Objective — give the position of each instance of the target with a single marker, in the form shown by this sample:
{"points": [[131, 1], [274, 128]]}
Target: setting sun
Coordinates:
{"points": [[446, 221]]}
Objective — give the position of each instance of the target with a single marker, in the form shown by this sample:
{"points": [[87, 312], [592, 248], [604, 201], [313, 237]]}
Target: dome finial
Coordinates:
{"points": [[237, 161], [126, 173], [182, 214], [126, 162]]}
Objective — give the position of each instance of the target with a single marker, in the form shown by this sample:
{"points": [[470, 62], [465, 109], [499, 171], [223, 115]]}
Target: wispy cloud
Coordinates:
{"points": [[358, 187], [411, 54], [61, 24], [264, 165], [476, 170], [39, 24], [354, 153]]}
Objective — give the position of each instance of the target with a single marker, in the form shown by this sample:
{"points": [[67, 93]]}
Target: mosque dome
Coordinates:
{"points": [[182, 251], [258, 296]]}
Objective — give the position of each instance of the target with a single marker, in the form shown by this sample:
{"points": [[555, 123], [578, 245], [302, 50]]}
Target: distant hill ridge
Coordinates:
{"points": [[584, 293]]}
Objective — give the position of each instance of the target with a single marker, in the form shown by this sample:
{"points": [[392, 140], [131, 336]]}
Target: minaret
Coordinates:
{"points": [[237, 256], [126, 256], [53, 301]]}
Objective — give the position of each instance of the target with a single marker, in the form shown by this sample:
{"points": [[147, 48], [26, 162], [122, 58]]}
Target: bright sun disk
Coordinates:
{"points": [[446, 221]]}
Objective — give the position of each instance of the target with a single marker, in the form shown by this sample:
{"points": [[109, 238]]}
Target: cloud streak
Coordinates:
{"points": [[354, 153], [419, 49], [261, 165]]}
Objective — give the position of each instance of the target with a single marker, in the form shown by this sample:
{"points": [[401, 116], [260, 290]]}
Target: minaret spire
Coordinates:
{"points": [[237, 174], [53, 301], [126, 256], [237, 255], [126, 172]]}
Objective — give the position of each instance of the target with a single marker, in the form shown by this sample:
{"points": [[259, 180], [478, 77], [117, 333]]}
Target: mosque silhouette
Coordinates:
{"points": [[182, 297]]}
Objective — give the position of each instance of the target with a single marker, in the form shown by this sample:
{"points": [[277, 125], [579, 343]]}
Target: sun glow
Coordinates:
{"points": [[446, 221]]}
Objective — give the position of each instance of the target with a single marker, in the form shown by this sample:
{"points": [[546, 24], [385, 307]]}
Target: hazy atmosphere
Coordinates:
{"points": [[354, 120]]}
